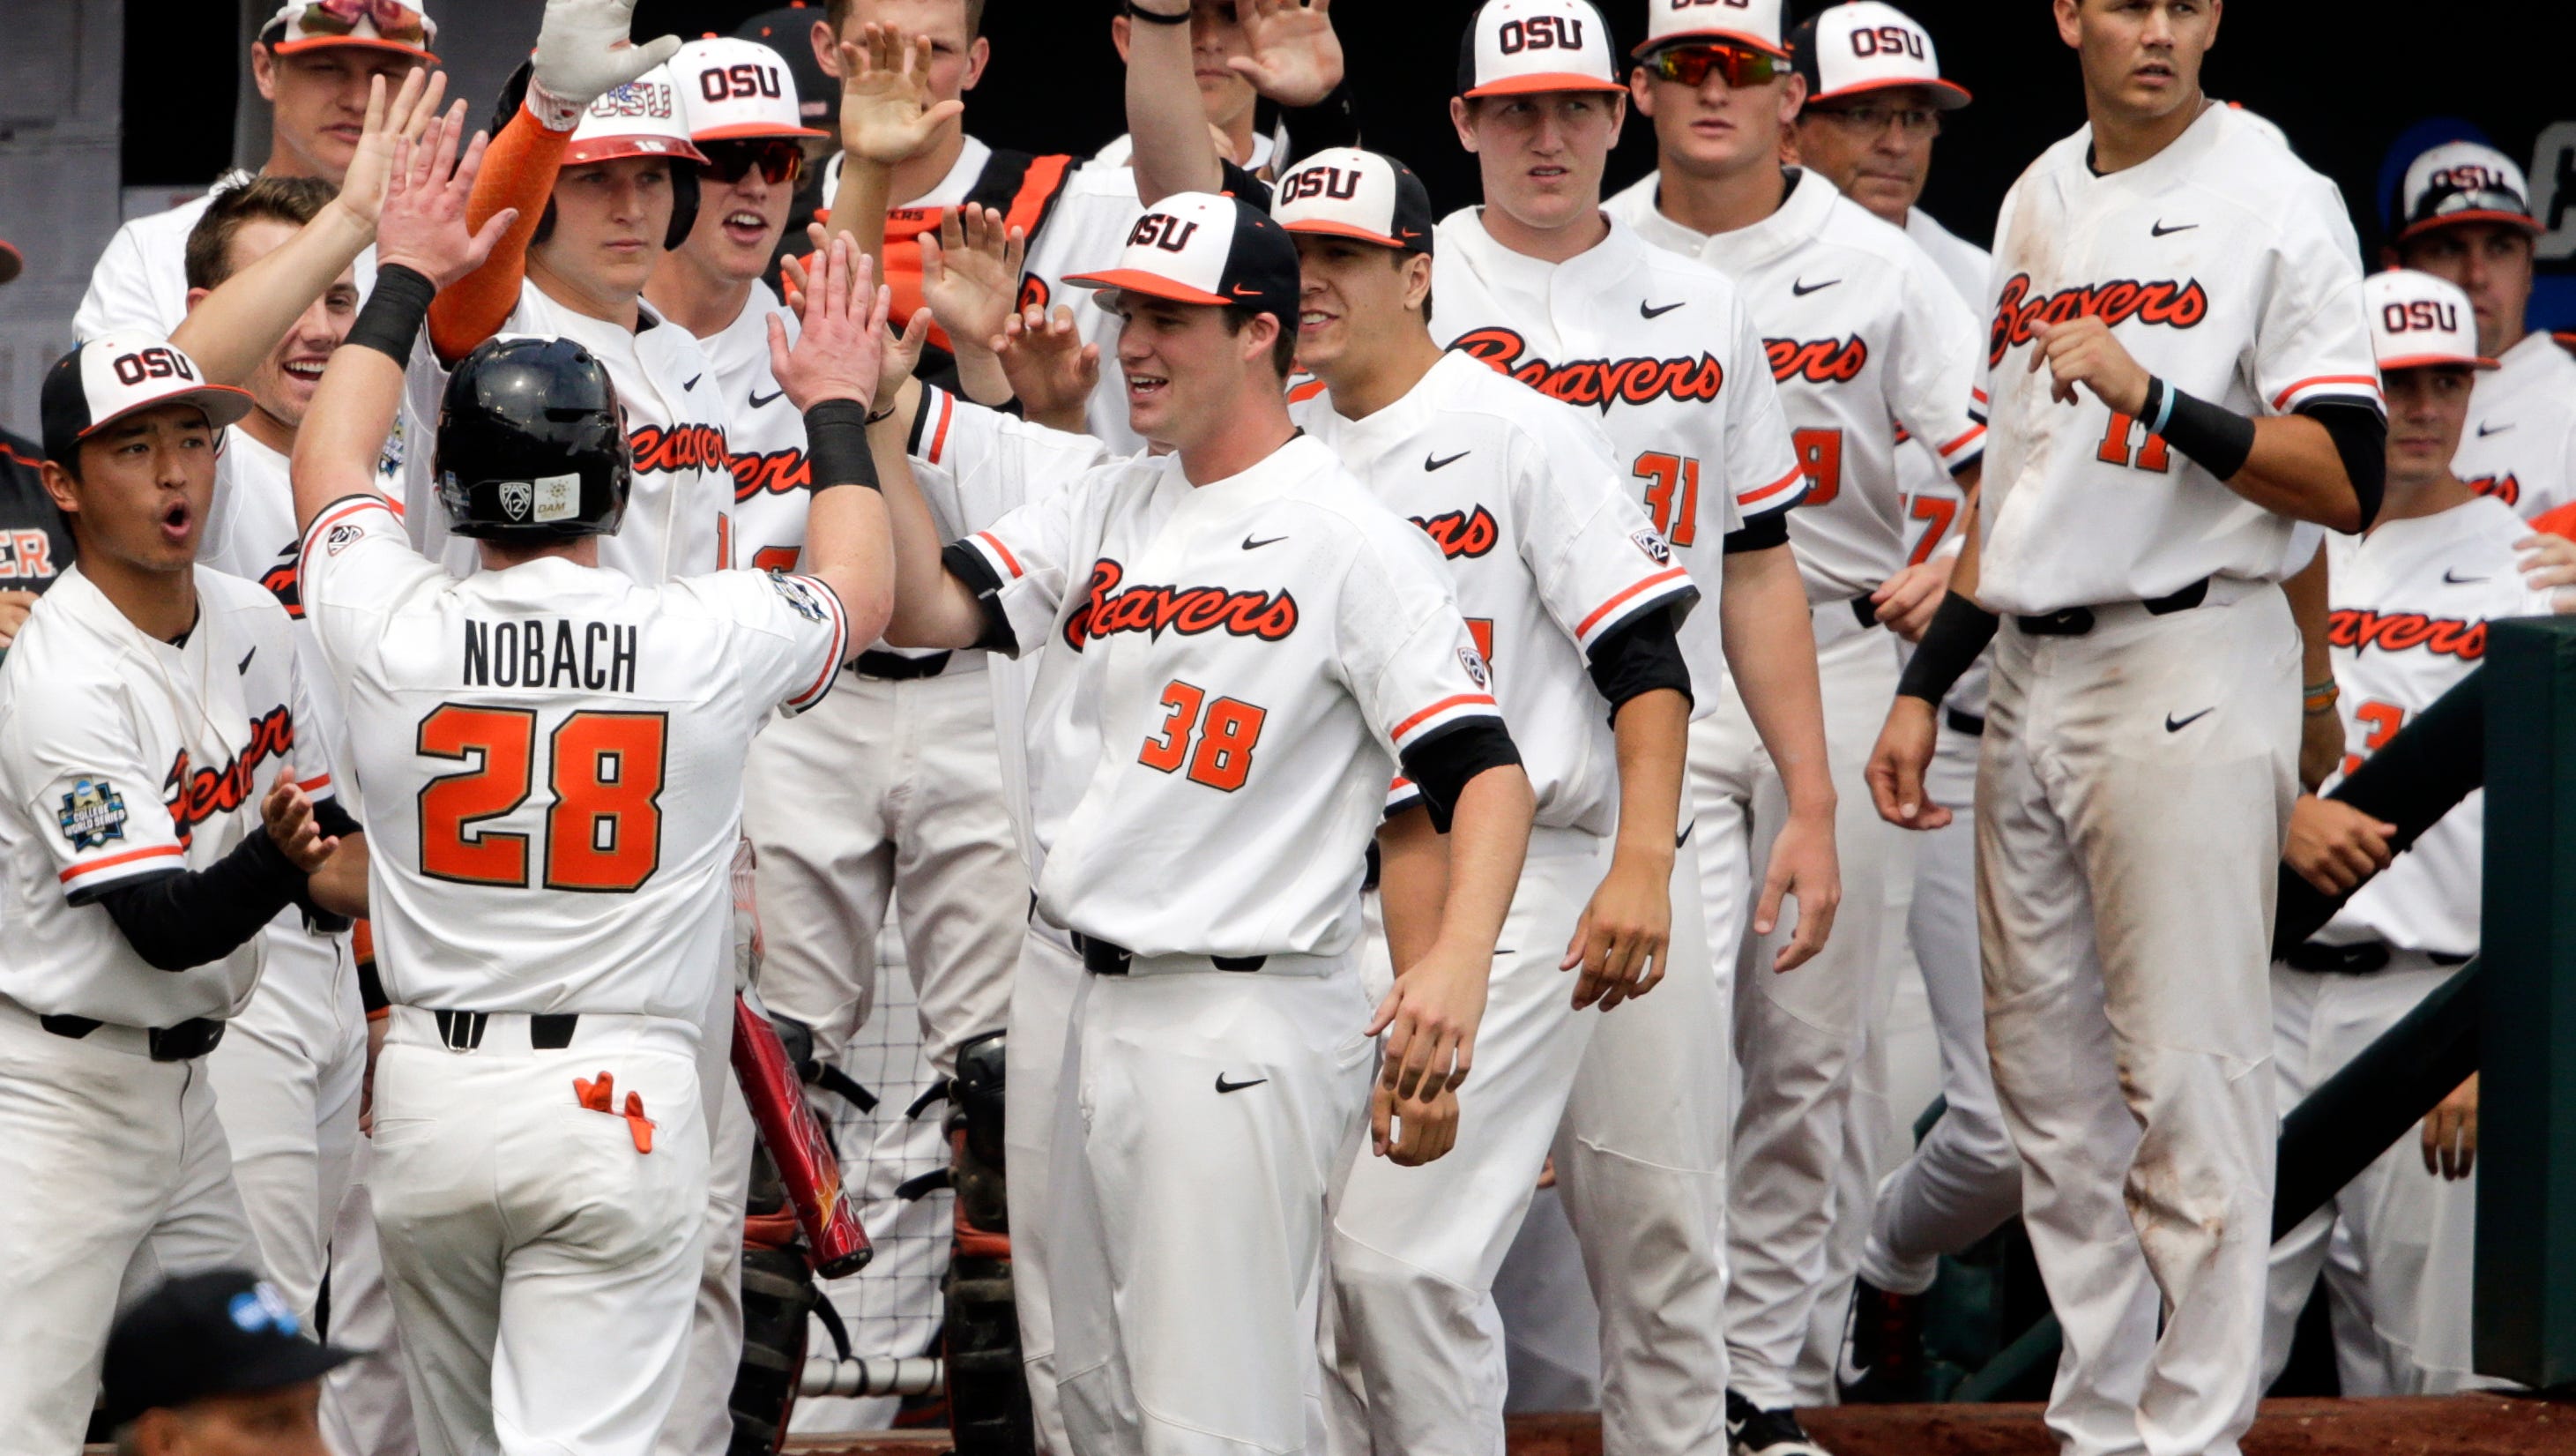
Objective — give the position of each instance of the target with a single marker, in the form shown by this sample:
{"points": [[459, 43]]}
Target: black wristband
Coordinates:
{"points": [[390, 323], [1156, 17], [1959, 631], [836, 446], [2218, 439]]}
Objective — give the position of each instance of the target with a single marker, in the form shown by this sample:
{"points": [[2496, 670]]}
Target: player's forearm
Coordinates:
{"points": [[848, 538], [931, 608], [234, 329], [1174, 151], [1412, 882], [1770, 645], [1488, 839], [340, 886], [859, 208], [2307, 591], [519, 171], [979, 374], [1653, 736]]}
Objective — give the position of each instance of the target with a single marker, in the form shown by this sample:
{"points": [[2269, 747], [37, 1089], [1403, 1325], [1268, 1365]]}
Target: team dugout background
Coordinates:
{"points": [[110, 109]]}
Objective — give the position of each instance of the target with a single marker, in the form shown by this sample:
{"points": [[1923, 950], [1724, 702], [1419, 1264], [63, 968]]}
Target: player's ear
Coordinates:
{"points": [[263, 70], [1642, 89], [2070, 23], [1462, 115], [1120, 30], [1417, 282], [197, 296], [827, 48], [1793, 98], [62, 485], [979, 54]]}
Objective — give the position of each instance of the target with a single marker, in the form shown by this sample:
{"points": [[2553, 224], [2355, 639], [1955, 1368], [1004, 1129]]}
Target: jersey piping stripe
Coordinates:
{"points": [[1796, 472], [840, 647], [315, 784], [1462, 700], [939, 436], [1013, 562], [1584, 628], [91, 867], [1973, 433], [2369, 383]]}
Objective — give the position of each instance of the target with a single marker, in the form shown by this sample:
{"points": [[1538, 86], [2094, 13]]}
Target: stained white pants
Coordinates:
{"points": [[1042, 996]]}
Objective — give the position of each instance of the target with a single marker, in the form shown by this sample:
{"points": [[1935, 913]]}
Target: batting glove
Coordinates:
{"points": [[583, 54]]}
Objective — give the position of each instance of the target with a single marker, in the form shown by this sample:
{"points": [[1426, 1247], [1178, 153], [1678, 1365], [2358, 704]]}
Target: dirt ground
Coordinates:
{"points": [[2467, 1425]]}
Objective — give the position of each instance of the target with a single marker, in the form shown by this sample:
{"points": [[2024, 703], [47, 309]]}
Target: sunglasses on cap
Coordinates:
{"points": [[780, 160], [393, 19], [1741, 65]]}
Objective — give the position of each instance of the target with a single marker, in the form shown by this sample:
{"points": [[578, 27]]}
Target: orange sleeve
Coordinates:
{"points": [[518, 171], [2558, 522]]}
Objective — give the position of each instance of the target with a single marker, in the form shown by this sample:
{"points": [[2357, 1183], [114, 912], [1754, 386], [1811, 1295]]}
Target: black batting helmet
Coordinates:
{"points": [[531, 444]]}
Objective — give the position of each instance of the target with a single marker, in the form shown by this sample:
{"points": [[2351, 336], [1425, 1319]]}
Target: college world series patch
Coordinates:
{"points": [[800, 595], [93, 814]]}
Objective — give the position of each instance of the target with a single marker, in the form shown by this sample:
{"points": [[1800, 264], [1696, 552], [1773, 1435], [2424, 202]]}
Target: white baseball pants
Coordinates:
{"points": [[1797, 1035], [1414, 1250], [2135, 786], [1962, 1181], [1203, 1119], [2397, 1245], [366, 1408], [1042, 995], [287, 1075], [887, 786], [117, 1178], [544, 1269]]}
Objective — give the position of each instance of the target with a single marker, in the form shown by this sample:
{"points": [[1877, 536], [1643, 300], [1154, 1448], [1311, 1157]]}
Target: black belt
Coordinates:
{"points": [[2076, 621], [895, 667], [462, 1031], [1968, 723], [2361, 958], [1104, 959], [184, 1042]]}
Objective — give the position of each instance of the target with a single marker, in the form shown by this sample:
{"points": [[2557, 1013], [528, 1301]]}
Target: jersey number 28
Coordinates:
{"points": [[604, 771]]}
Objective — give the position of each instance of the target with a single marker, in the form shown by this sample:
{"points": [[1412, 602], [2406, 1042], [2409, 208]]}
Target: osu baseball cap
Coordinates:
{"points": [[643, 118], [1847, 50], [1515, 47], [2460, 182], [790, 32], [1198, 247], [111, 377], [737, 88], [1754, 23], [2418, 321], [1350, 193], [223, 1332], [384, 25]]}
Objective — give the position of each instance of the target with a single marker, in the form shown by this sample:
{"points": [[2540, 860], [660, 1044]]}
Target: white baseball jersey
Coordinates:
{"points": [[140, 281], [2409, 608], [1862, 341], [1238, 666], [124, 757], [678, 517], [1662, 351], [2223, 265], [764, 436], [1969, 268], [1933, 498], [1548, 548], [550, 762], [2520, 444]]}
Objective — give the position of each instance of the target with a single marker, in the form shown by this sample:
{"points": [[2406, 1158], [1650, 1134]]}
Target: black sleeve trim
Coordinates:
{"points": [[186, 919], [2361, 439], [1759, 534], [920, 423], [1243, 187], [968, 565], [1441, 763], [1640, 656], [334, 820], [1960, 629]]}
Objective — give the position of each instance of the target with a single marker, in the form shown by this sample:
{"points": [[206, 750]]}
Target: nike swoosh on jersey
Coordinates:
{"points": [[1442, 462], [1801, 288], [692, 384], [244, 665], [1223, 1086], [2176, 725], [758, 399], [2159, 230], [2453, 578], [2485, 429], [1655, 311], [1251, 545]]}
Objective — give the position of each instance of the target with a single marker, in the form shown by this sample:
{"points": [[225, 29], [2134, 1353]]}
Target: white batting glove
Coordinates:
{"points": [[583, 54]]}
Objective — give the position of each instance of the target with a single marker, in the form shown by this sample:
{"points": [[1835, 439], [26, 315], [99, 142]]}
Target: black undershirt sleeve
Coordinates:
{"points": [[1331, 122], [1759, 534], [1440, 764], [188, 918], [968, 565], [1639, 657], [2361, 439]]}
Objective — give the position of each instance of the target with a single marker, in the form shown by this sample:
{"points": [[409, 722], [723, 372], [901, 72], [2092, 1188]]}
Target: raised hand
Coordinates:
{"points": [[1295, 58], [887, 114], [838, 353], [583, 53], [409, 113], [970, 274], [422, 226], [1052, 371]]}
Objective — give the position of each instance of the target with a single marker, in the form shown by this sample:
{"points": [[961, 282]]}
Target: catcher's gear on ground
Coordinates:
{"points": [[988, 1391], [778, 1292], [807, 1170], [531, 444]]}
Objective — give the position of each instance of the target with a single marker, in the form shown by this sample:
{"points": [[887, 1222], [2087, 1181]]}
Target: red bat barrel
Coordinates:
{"points": [[833, 1239]]}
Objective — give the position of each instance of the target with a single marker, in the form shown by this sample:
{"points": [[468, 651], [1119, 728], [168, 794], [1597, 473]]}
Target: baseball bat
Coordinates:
{"points": [[833, 1239]]}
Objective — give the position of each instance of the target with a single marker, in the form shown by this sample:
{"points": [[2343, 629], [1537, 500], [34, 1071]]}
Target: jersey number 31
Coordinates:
{"points": [[604, 771]]}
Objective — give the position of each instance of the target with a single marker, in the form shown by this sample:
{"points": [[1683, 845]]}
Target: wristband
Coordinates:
{"points": [[1959, 631], [2320, 697], [2217, 438], [390, 323], [1155, 17], [836, 446], [2157, 412]]}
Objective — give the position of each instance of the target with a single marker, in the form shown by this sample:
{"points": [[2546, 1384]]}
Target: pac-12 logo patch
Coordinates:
{"points": [[93, 814], [1477, 673], [800, 595], [1652, 542], [516, 496]]}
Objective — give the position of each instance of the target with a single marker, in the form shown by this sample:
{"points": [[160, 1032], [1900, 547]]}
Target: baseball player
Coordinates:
{"points": [[1872, 136], [555, 1087], [157, 809], [2411, 602], [35, 540], [1242, 647], [313, 63], [2182, 378], [2465, 216], [1575, 600], [1864, 341], [1544, 285]]}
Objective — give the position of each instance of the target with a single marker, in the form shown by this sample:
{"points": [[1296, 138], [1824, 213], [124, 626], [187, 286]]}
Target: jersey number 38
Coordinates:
{"points": [[603, 770]]}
